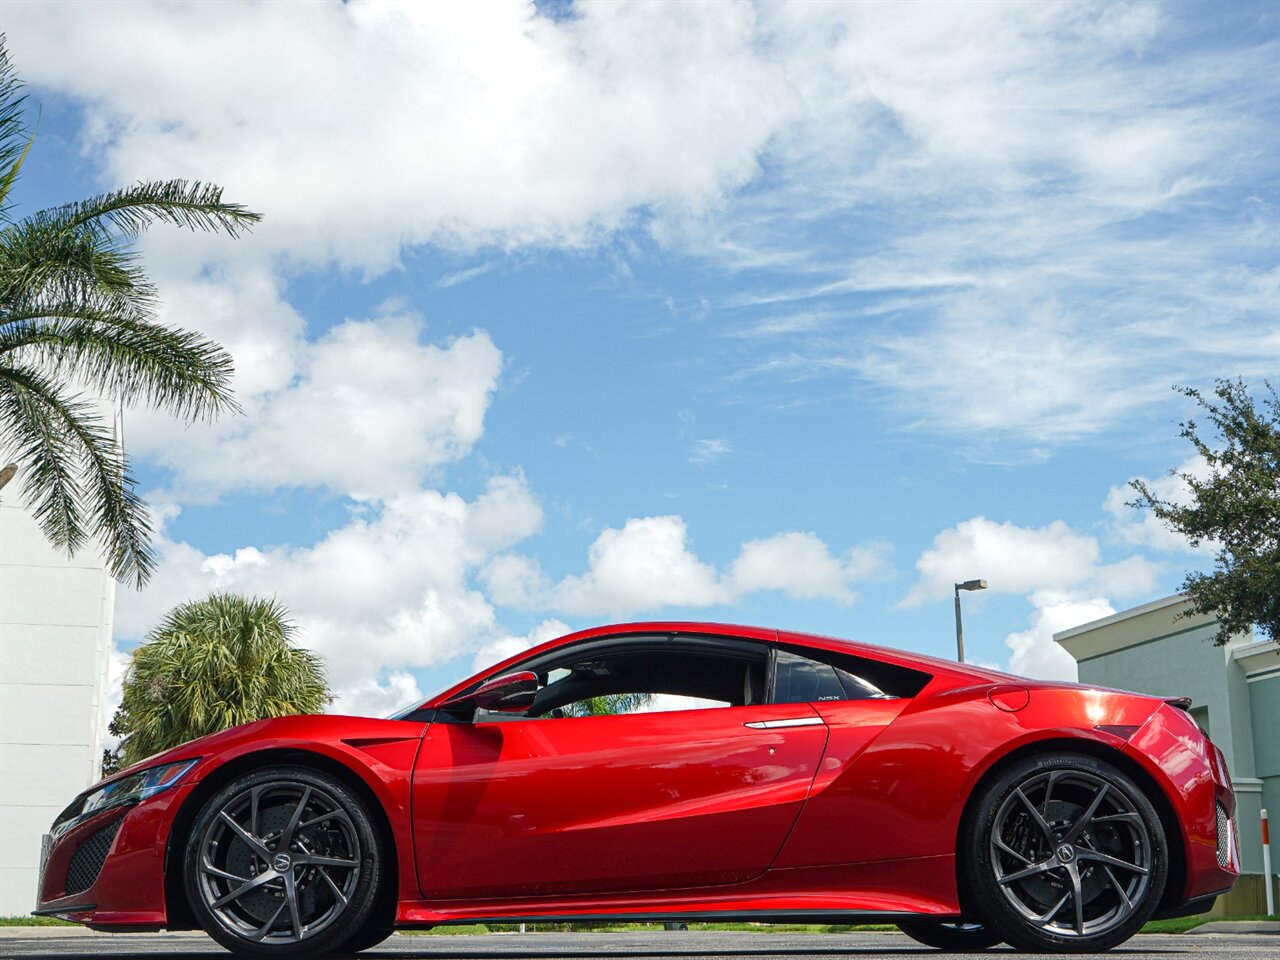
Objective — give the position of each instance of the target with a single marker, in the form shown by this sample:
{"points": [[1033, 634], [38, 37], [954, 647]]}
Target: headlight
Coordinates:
{"points": [[132, 789]]}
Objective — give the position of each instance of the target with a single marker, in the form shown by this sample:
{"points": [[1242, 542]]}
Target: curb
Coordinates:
{"points": [[1238, 926]]}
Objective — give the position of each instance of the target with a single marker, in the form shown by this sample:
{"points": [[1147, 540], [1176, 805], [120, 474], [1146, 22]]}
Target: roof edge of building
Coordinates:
{"points": [[1120, 616]]}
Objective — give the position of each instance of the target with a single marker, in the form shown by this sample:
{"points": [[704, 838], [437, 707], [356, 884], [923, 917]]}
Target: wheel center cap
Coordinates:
{"points": [[282, 862], [1066, 853]]}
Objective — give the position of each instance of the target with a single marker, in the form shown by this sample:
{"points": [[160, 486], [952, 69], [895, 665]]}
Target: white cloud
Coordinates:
{"points": [[464, 276], [239, 304], [387, 591], [707, 450], [508, 645], [514, 580], [367, 410], [649, 565], [1018, 292], [801, 565], [1059, 570], [1143, 528], [1014, 559], [975, 363], [371, 698], [645, 565], [1004, 153], [1035, 654], [362, 127]]}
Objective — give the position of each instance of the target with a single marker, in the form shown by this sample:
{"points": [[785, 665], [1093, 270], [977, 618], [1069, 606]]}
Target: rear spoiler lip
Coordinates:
{"points": [[1182, 703]]}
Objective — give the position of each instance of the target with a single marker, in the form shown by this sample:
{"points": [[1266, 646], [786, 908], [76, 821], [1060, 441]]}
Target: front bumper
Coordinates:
{"points": [[108, 870]]}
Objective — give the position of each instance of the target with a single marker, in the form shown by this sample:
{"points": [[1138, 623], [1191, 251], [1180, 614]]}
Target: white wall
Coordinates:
{"points": [[55, 646]]}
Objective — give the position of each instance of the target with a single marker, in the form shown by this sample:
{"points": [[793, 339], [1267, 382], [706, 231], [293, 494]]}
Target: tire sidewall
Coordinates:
{"points": [[362, 898], [978, 872]]}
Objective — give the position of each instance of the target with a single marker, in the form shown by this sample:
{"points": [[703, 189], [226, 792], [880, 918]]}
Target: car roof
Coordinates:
{"points": [[917, 661]]}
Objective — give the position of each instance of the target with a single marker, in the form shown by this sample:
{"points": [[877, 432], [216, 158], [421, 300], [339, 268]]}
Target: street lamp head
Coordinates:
{"points": [[972, 585]]}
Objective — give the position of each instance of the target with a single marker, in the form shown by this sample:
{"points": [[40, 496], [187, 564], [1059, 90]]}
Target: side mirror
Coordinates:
{"points": [[509, 693]]}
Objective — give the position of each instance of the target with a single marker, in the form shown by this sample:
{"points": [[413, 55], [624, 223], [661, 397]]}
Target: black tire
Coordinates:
{"points": [[307, 900], [1063, 853], [952, 937]]}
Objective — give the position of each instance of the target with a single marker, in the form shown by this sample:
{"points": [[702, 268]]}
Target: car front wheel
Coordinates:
{"points": [[1064, 853], [282, 861]]}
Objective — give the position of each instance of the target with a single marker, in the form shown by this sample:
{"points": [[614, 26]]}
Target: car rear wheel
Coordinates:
{"points": [[952, 937], [1064, 853], [282, 861]]}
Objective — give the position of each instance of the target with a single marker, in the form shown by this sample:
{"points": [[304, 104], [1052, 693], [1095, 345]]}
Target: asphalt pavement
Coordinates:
{"points": [[67, 944]]}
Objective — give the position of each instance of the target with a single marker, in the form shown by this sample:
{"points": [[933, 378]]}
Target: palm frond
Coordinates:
{"points": [[76, 307], [105, 488], [39, 261], [14, 139], [183, 203], [114, 351], [33, 434], [609, 704], [10, 176]]}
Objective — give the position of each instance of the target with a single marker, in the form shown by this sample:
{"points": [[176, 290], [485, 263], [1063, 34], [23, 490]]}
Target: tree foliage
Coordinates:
{"points": [[609, 705], [77, 313], [213, 664], [1236, 509]]}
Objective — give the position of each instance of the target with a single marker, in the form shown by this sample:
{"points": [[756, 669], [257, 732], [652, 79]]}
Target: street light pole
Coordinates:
{"points": [[967, 585]]}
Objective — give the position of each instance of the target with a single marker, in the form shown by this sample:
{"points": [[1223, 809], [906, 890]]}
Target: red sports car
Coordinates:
{"points": [[671, 771]]}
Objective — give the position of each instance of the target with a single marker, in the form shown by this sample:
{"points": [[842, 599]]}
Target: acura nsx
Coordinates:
{"points": [[733, 773]]}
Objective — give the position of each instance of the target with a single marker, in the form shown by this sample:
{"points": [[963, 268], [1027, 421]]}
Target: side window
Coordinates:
{"points": [[798, 679], [647, 675], [835, 676]]}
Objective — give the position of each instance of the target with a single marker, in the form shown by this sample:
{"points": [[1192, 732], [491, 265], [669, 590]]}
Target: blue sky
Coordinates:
{"points": [[781, 314]]}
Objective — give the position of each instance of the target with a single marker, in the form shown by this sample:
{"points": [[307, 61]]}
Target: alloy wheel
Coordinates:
{"points": [[1071, 853], [279, 862]]}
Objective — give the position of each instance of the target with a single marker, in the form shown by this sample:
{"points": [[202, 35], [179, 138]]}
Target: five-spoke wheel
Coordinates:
{"points": [[1064, 852], [282, 861]]}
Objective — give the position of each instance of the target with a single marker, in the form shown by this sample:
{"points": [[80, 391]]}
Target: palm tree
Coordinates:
{"points": [[78, 313], [609, 705], [212, 664]]}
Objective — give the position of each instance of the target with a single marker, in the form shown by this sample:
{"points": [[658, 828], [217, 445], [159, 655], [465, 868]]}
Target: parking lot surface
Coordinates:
{"points": [[67, 944]]}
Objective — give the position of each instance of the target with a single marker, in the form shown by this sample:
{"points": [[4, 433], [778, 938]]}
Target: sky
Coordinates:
{"points": [[790, 314]]}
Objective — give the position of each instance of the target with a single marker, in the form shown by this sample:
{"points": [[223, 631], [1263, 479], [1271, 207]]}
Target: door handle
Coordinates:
{"points": [[778, 724]]}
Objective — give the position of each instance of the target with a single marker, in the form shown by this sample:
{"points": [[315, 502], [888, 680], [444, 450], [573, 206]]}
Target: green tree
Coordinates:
{"points": [[609, 705], [77, 313], [1236, 509], [213, 664]]}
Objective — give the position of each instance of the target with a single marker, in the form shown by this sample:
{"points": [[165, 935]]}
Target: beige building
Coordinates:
{"points": [[1235, 697], [55, 646]]}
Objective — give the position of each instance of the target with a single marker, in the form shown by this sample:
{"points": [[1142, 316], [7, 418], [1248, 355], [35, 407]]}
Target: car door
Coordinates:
{"points": [[565, 805], [858, 792]]}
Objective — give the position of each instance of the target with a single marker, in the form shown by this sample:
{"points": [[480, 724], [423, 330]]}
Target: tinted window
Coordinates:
{"points": [[641, 681], [801, 680], [827, 675], [645, 674]]}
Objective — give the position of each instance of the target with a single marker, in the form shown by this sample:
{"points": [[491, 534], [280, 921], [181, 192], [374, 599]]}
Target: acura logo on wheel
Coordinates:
{"points": [[281, 862], [1066, 853]]}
